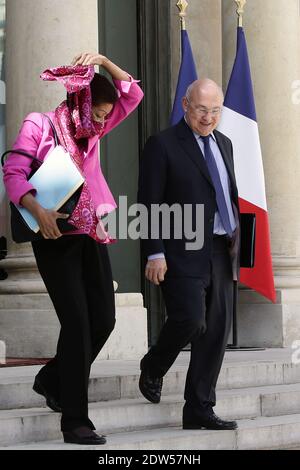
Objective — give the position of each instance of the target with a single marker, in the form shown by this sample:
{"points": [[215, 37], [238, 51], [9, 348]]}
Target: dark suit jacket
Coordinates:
{"points": [[173, 170]]}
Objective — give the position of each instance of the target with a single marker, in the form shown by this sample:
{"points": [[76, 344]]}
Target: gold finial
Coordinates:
{"points": [[182, 6], [240, 10]]}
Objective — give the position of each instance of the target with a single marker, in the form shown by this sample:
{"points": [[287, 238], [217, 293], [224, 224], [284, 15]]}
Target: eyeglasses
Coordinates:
{"points": [[201, 111]]}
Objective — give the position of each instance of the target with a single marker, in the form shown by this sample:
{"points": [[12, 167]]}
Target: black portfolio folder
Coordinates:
{"points": [[248, 231]]}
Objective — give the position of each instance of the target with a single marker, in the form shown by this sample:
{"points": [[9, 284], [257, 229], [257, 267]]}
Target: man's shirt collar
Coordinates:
{"points": [[197, 136]]}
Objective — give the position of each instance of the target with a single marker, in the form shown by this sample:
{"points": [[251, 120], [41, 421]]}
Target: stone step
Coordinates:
{"points": [[252, 434], [30, 328], [112, 380], [39, 340], [36, 424], [43, 301]]}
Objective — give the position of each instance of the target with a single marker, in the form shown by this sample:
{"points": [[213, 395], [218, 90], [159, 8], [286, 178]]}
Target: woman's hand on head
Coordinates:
{"points": [[97, 59], [87, 58]]}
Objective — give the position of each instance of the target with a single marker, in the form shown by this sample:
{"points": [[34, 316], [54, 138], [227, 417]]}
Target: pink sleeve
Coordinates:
{"points": [[17, 167], [130, 95]]}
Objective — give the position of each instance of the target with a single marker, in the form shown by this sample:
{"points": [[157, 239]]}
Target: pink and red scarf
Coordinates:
{"points": [[73, 121]]}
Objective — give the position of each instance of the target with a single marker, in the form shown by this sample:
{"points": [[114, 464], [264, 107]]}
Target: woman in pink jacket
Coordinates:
{"points": [[75, 266]]}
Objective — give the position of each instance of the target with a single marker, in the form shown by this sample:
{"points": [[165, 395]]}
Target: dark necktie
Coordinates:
{"points": [[215, 176]]}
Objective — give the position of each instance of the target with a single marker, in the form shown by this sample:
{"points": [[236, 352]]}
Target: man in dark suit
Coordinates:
{"points": [[192, 164]]}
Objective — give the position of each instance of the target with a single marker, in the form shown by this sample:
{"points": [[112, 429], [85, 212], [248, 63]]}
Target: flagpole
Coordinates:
{"points": [[240, 11], [235, 346], [182, 6]]}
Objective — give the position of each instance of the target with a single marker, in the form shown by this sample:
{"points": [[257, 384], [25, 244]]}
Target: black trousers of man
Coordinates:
{"points": [[77, 273], [199, 312]]}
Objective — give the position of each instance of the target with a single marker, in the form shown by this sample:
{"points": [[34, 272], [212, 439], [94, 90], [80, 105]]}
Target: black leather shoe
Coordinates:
{"points": [[211, 421], [50, 400], [150, 387], [83, 436]]}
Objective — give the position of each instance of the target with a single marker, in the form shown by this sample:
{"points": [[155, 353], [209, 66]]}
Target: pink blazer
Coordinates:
{"points": [[36, 138]]}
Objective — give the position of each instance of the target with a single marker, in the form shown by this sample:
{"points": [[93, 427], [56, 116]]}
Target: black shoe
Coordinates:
{"points": [[150, 387], [50, 400], [210, 421], [83, 436]]}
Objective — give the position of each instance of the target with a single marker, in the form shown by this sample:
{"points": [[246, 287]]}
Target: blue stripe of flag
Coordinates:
{"points": [[187, 75], [239, 96]]}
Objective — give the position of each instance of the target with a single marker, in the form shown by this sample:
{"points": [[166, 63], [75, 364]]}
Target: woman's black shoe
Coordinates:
{"points": [[83, 436], [50, 400]]}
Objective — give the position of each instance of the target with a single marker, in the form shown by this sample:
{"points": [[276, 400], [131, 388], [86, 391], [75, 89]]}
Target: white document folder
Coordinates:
{"points": [[55, 181]]}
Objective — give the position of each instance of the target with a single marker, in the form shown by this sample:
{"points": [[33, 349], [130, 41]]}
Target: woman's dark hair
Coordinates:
{"points": [[102, 90]]}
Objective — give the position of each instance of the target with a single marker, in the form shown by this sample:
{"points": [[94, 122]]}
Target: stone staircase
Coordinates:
{"points": [[261, 389]]}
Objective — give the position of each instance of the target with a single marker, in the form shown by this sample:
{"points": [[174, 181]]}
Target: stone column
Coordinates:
{"points": [[42, 34], [204, 26], [39, 35], [273, 36]]}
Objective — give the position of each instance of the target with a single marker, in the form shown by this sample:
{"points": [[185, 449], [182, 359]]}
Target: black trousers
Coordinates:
{"points": [[199, 312], [77, 273]]}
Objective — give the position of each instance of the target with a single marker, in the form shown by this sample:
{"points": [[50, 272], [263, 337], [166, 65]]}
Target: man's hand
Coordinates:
{"points": [[87, 58], [155, 270]]}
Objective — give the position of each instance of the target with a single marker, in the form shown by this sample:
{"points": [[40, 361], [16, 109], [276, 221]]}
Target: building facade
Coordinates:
{"points": [[143, 37]]}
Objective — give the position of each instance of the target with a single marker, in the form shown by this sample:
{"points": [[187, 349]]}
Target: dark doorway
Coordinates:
{"points": [[136, 35]]}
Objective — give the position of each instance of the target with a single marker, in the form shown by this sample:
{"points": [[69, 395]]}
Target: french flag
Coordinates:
{"points": [[187, 75], [239, 123]]}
